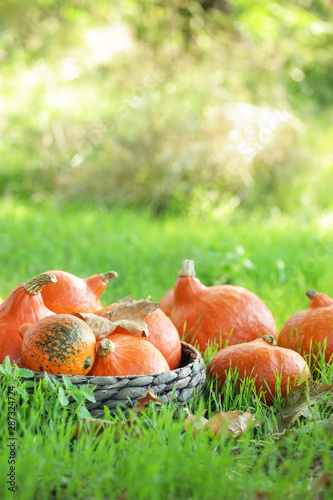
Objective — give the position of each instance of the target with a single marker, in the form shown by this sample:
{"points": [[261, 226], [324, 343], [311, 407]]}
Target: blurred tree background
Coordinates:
{"points": [[195, 106]]}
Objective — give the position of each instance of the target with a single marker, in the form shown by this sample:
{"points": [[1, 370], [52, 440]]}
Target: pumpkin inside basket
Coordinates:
{"points": [[180, 386]]}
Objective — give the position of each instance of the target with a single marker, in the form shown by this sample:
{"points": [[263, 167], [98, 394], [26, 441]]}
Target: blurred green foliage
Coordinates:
{"points": [[182, 105]]}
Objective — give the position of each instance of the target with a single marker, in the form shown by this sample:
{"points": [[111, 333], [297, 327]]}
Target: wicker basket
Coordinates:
{"points": [[180, 385]]}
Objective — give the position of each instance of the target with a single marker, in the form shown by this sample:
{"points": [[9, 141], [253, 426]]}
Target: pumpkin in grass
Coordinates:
{"points": [[263, 361], [73, 294], [222, 313], [23, 305], [308, 331], [59, 344], [126, 354], [161, 333]]}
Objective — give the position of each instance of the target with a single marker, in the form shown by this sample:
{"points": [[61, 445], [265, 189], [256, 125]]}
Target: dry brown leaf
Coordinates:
{"points": [[92, 424], [122, 495], [144, 400], [101, 326], [262, 495], [323, 484], [126, 314], [129, 315], [299, 402], [326, 424], [139, 308], [232, 423], [196, 422]]}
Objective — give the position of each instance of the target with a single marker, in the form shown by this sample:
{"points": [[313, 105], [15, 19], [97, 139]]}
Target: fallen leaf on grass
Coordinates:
{"points": [[122, 495], [324, 482], [326, 424], [144, 400], [197, 422], [262, 495], [231, 423], [99, 426], [92, 424], [279, 436], [299, 402]]}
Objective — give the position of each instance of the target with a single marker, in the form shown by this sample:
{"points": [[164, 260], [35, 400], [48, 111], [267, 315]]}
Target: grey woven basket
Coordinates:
{"points": [[181, 385]]}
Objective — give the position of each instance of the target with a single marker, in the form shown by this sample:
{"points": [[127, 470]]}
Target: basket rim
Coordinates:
{"points": [[89, 378]]}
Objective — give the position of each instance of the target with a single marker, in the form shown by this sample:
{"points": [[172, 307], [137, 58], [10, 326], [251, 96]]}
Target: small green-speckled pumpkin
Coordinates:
{"points": [[60, 343]]}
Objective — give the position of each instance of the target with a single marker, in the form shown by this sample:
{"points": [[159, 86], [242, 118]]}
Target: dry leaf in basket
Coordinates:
{"points": [[142, 318], [126, 314], [129, 315]]}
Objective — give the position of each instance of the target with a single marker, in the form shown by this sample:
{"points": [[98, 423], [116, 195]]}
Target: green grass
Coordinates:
{"points": [[277, 257]]}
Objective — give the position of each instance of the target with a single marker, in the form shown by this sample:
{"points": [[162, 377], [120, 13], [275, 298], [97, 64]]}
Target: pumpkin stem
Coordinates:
{"points": [[311, 294], [109, 275], [270, 339], [187, 268], [35, 284], [105, 347], [88, 363]]}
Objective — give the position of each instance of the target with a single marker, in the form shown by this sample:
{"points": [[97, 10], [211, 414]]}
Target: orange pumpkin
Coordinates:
{"points": [[162, 334], [222, 313], [60, 344], [121, 354], [167, 302], [23, 305], [73, 294], [306, 331], [1, 300], [264, 361]]}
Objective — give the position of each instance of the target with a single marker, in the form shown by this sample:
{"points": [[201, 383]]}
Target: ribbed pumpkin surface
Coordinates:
{"points": [[72, 294], [310, 330], [219, 313], [23, 305], [131, 356], [260, 360]]}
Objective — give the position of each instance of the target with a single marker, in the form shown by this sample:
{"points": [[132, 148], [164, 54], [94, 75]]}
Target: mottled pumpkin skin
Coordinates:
{"points": [[262, 361], [19, 307], [132, 356], [73, 294], [223, 313], [162, 334], [167, 302], [306, 330], [61, 344]]}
